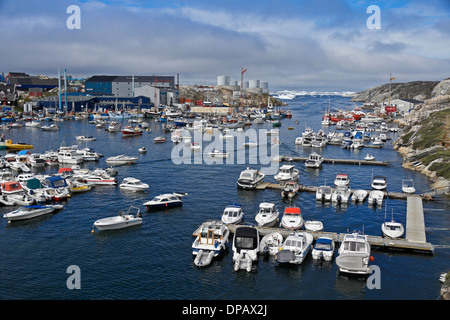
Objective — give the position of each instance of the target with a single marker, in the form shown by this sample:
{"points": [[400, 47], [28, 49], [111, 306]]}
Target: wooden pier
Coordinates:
{"points": [[414, 241], [390, 195], [338, 161]]}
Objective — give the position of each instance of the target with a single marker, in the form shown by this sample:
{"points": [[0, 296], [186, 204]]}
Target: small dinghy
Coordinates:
{"points": [[142, 150], [369, 157], [122, 220], [359, 196], [313, 225], [408, 186], [271, 243]]}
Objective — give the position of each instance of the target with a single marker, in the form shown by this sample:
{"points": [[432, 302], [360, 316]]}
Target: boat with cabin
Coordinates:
{"points": [[232, 214], [245, 247], [210, 242], [287, 173], [250, 178], [166, 200], [29, 212], [295, 248], [267, 215], [354, 254], [292, 218], [323, 249], [271, 243]]}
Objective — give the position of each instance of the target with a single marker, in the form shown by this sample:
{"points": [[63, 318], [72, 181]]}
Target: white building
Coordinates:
{"points": [[405, 105]]}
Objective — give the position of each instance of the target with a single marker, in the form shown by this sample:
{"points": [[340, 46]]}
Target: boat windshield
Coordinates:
{"points": [[245, 242], [355, 246], [322, 246], [325, 190]]}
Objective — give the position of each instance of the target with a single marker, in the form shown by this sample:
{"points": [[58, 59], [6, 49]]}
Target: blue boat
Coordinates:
{"points": [[165, 201]]}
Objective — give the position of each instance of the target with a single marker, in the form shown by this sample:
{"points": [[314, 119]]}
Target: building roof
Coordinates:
{"points": [[103, 78], [411, 100]]}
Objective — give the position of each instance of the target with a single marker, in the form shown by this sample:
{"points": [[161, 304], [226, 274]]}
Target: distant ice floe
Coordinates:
{"points": [[291, 94]]}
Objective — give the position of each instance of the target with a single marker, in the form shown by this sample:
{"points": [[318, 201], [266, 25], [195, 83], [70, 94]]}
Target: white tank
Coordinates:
{"points": [[253, 83], [223, 80]]}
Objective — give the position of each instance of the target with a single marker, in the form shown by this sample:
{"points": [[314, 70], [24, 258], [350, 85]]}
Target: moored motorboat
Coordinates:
{"points": [[354, 254], [133, 184], [292, 218], [341, 195], [323, 249], [166, 200], [267, 215], [375, 198], [392, 228], [122, 220], [359, 195], [290, 189], [210, 242], [314, 161], [250, 178], [379, 183], [219, 154], [287, 173], [142, 150], [232, 214], [342, 180], [245, 247], [369, 157], [159, 140], [85, 138], [313, 225], [120, 160], [295, 248], [28, 212], [323, 193], [271, 243]]}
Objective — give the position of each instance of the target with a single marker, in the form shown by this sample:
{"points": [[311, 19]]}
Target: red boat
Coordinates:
{"points": [[131, 131]]}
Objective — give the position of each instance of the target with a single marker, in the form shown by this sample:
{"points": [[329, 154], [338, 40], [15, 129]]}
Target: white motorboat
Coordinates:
{"points": [[195, 146], [354, 254], [408, 186], [342, 180], [130, 131], [52, 127], [392, 228], [120, 160], [233, 214], [323, 249], [133, 184], [379, 183], [313, 225], [287, 173], [359, 195], [295, 248], [33, 124], [298, 140], [341, 195], [267, 215], [292, 218], [376, 198], [314, 161], [142, 150], [210, 242], [85, 138], [114, 126], [28, 212], [323, 193], [290, 189], [122, 220], [250, 144], [159, 140], [271, 243], [219, 154], [100, 179], [245, 247], [369, 157], [250, 178], [166, 200]]}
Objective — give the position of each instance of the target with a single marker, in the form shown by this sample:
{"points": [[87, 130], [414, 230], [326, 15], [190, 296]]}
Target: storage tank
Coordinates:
{"points": [[223, 80], [253, 83], [264, 85]]}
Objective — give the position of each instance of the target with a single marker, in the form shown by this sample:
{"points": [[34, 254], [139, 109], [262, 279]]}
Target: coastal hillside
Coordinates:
{"points": [[425, 140], [419, 90]]}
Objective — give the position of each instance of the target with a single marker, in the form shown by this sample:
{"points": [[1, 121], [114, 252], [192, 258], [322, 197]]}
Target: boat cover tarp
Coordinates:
{"points": [[34, 184], [292, 210]]}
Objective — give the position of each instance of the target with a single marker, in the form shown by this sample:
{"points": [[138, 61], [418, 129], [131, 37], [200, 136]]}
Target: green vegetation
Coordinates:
{"points": [[432, 131], [444, 154], [442, 169]]}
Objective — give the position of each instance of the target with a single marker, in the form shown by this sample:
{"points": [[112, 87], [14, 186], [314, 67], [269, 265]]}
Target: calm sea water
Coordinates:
{"points": [[154, 261]]}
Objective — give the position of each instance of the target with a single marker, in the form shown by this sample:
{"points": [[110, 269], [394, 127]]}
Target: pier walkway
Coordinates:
{"points": [[338, 161], [414, 241]]}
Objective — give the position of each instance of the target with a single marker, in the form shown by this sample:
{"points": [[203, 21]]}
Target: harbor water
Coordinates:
{"points": [[154, 261]]}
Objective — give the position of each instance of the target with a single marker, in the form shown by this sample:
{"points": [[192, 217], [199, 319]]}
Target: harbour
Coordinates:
{"points": [[161, 245]]}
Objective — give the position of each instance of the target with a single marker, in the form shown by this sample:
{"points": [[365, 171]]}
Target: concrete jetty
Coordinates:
{"points": [[338, 161]]}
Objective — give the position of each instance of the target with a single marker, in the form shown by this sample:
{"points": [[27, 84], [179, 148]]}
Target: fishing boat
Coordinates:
{"points": [[359, 195], [114, 126], [210, 242], [314, 161], [245, 247], [166, 200], [354, 254], [232, 214], [130, 131], [29, 212], [324, 193], [133, 184], [292, 218], [290, 189], [85, 138], [250, 178], [323, 249], [295, 248], [341, 195], [392, 228], [17, 146], [120, 160], [122, 220], [287, 173], [376, 198], [342, 180], [271, 243], [408, 186], [313, 225], [267, 215], [379, 183]]}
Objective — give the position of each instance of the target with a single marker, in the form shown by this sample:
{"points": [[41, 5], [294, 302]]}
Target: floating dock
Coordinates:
{"points": [[358, 162], [414, 241]]}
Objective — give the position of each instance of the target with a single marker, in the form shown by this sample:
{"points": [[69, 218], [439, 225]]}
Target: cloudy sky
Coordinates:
{"points": [[292, 44]]}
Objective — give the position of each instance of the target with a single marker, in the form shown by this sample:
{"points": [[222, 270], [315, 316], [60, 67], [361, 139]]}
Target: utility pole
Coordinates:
{"points": [[390, 81]]}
